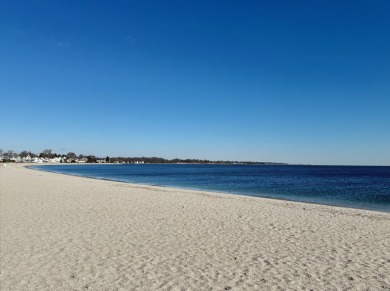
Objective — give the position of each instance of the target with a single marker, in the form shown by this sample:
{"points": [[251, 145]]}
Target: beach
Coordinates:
{"points": [[60, 232]]}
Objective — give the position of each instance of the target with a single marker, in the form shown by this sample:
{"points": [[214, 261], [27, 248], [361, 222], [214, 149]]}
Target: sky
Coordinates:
{"points": [[279, 81]]}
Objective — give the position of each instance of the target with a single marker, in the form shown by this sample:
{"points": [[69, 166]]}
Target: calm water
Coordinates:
{"points": [[360, 187]]}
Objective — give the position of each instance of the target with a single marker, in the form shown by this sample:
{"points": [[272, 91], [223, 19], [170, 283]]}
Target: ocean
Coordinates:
{"points": [[347, 186]]}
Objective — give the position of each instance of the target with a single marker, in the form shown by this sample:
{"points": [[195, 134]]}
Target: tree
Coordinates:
{"points": [[23, 154], [9, 154], [91, 159], [46, 154], [1, 152], [107, 159], [71, 155]]}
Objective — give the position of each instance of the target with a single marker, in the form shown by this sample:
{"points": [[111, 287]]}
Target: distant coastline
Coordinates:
{"points": [[47, 156], [157, 160]]}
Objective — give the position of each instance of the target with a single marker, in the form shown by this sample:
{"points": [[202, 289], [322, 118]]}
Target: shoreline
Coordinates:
{"points": [[63, 232], [29, 166]]}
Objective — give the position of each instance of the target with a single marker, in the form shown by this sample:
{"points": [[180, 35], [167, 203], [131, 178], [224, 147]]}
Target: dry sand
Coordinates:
{"points": [[62, 232]]}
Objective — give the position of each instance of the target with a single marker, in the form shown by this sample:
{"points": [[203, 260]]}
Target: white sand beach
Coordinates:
{"points": [[62, 232]]}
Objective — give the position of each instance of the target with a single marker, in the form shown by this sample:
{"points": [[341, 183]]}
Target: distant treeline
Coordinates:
{"points": [[156, 160], [71, 156]]}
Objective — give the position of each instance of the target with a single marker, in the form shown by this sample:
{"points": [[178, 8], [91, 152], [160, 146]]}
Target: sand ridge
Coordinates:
{"points": [[60, 232]]}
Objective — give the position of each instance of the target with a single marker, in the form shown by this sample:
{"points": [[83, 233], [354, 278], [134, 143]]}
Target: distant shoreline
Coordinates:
{"points": [[259, 164]]}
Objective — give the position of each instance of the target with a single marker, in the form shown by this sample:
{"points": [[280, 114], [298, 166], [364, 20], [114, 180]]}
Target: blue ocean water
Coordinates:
{"points": [[348, 186]]}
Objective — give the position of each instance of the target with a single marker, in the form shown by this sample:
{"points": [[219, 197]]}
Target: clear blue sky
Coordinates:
{"points": [[282, 81]]}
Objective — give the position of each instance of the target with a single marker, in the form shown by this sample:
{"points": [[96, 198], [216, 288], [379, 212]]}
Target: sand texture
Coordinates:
{"points": [[63, 232]]}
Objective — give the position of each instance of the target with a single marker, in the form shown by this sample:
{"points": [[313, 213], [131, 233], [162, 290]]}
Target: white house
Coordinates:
{"points": [[18, 159]]}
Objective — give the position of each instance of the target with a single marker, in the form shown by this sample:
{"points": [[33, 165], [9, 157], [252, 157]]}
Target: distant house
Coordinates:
{"points": [[17, 159], [26, 159], [81, 161], [55, 160]]}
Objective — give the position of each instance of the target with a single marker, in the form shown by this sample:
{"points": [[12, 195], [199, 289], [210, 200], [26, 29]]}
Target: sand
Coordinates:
{"points": [[62, 232]]}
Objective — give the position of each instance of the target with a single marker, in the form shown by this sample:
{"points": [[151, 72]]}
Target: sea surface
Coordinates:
{"points": [[347, 186]]}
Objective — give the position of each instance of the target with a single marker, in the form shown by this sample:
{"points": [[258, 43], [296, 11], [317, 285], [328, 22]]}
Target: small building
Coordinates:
{"points": [[18, 159], [36, 160]]}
